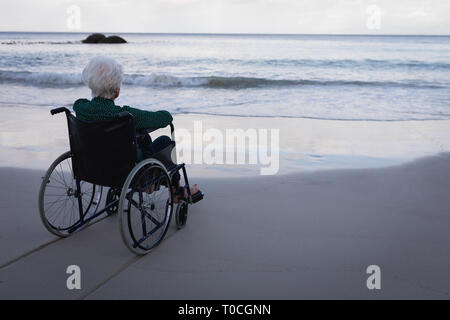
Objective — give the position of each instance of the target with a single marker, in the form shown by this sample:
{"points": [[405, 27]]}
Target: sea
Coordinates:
{"points": [[336, 77]]}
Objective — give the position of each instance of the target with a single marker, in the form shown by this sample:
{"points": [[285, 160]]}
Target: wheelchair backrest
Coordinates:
{"points": [[103, 152]]}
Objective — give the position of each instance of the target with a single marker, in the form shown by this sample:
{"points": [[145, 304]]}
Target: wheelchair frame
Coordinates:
{"points": [[164, 179]]}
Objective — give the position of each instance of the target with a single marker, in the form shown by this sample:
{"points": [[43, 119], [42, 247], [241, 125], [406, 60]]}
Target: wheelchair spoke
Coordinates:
{"points": [[144, 213], [149, 206], [134, 203], [56, 211], [144, 224], [61, 175], [58, 202], [56, 187], [54, 195], [54, 179], [150, 217], [146, 236]]}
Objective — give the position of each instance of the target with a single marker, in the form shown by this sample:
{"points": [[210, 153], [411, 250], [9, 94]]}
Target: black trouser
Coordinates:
{"points": [[150, 147]]}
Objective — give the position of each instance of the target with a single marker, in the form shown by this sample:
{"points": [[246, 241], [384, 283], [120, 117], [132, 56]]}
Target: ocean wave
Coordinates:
{"points": [[369, 64], [295, 64], [364, 63], [53, 79]]}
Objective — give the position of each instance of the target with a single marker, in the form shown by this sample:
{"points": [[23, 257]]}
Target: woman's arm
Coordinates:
{"points": [[149, 119]]}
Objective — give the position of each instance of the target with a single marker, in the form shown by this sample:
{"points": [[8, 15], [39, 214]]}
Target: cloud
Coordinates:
{"points": [[417, 13], [244, 16]]}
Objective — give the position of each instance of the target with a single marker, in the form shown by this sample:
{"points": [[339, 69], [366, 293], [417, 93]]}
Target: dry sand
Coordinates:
{"points": [[307, 235]]}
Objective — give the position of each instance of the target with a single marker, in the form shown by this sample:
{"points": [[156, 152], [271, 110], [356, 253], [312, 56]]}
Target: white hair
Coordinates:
{"points": [[103, 76]]}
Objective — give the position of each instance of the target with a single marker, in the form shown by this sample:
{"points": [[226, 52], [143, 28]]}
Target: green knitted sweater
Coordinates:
{"points": [[103, 109]]}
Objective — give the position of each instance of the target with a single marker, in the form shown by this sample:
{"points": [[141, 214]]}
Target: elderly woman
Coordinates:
{"points": [[104, 77]]}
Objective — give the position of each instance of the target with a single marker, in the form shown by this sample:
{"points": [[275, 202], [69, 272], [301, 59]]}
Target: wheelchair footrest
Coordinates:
{"points": [[197, 197]]}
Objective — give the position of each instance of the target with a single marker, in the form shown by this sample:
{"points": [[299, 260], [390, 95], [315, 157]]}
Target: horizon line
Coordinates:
{"points": [[238, 33]]}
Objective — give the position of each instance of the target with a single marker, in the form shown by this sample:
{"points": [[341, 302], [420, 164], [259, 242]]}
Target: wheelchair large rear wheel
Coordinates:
{"points": [[145, 206], [58, 202]]}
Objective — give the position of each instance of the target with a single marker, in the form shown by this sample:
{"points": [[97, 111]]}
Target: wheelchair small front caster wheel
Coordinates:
{"points": [[113, 195], [181, 214]]}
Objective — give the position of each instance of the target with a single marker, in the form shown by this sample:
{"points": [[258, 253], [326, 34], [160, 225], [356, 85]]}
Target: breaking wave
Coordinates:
{"points": [[53, 79]]}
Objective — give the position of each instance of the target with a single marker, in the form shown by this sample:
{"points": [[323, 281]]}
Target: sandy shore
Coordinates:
{"points": [[306, 235], [349, 194]]}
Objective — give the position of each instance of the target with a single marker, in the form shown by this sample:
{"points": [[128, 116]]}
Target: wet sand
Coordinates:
{"points": [[31, 138]]}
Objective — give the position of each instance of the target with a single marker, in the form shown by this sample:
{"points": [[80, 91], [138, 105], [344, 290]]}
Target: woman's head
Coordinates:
{"points": [[103, 76]]}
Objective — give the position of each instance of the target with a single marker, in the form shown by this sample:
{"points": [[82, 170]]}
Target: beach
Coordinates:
{"points": [[307, 235], [321, 157], [310, 231]]}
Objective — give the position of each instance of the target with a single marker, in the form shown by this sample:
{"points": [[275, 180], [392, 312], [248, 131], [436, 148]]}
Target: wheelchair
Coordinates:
{"points": [[104, 154]]}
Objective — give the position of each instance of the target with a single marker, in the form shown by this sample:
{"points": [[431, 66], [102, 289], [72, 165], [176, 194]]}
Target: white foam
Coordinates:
{"points": [[41, 78]]}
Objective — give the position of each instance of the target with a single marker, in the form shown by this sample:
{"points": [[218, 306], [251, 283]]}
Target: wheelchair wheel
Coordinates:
{"points": [[58, 204], [181, 214], [145, 206], [112, 195]]}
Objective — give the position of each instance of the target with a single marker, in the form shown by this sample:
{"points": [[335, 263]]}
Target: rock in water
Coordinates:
{"points": [[113, 39], [101, 38], [94, 38]]}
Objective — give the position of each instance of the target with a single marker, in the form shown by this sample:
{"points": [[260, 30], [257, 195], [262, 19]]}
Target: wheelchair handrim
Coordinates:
{"points": [[124, 214], [42, 210]]}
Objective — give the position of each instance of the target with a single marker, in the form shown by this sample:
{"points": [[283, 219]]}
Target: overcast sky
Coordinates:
{"points": [[229, 16]]}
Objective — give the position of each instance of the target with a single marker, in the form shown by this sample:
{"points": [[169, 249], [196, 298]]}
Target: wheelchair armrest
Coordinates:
{"points": [[59, 110], [142, 132], [124, 114], [149, 130]]}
